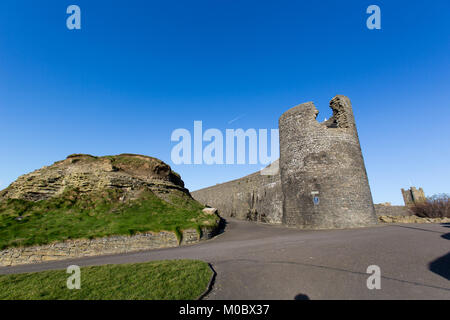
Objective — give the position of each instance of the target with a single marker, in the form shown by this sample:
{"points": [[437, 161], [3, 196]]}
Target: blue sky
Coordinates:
{"points": [[137, 70]]}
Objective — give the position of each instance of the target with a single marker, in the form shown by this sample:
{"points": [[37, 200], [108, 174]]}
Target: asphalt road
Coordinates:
{"points": [[255, 261]]}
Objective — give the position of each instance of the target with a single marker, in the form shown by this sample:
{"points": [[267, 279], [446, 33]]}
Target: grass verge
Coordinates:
{"points": [[156, 280]]}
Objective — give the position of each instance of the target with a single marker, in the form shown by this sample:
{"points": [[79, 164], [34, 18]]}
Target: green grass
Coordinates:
{"points": [[127, 160], [157, 280], [74, 216]]}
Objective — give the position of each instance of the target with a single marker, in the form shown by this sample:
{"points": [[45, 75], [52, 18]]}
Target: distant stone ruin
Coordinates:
{"points": [[412, 196], [322, 181]]}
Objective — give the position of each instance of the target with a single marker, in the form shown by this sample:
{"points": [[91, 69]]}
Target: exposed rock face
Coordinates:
{"points": [[127, 172]]}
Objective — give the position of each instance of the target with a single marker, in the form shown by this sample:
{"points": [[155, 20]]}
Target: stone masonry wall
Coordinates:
{"points": [[393, 211], [413, 196], [254, 197], [79, 248]]}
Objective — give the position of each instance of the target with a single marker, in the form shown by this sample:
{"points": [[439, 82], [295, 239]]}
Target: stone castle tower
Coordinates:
{"points": [[323, 176], [413, 196], [322, 181]]}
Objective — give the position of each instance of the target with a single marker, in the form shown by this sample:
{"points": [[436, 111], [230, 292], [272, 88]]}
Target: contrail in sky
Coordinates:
{"points": [[235, 119]]}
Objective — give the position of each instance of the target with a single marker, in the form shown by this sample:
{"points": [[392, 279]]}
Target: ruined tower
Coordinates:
{"points": [[323, 177]]}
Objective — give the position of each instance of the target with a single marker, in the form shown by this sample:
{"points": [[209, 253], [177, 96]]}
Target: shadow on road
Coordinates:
{"points": [[441, 266], [416, 228], [301, 296]]}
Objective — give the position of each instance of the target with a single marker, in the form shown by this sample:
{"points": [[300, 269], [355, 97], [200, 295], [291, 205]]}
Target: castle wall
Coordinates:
{"points": [[254, 197], [413, 196], [323, 161]]}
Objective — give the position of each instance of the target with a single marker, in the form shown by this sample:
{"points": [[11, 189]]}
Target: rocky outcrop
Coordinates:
{"points": [[86, 205], [128, 173]]}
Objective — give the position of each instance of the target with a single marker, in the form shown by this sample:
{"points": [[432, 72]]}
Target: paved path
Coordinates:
{"points": [[255, 261]]}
